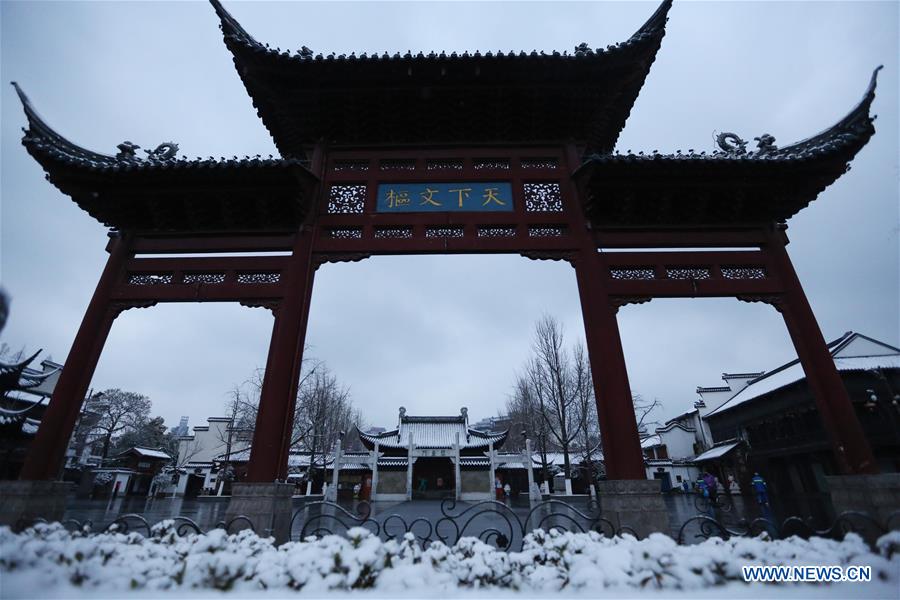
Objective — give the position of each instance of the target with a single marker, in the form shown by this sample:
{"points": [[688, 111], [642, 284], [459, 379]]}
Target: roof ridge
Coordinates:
{"points": [[874, 341], [857, 123], [231, 28], [40, 136], [833, 347]]}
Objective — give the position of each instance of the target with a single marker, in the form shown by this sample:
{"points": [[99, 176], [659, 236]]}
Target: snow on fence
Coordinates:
{"points": [[49, 560]]}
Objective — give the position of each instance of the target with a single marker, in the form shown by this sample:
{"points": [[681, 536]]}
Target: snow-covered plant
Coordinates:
{"points": [[61, 561], [889, 544]]}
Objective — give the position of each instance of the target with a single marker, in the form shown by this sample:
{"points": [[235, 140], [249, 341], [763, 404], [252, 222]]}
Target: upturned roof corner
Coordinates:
{"points": [[586, 94]]}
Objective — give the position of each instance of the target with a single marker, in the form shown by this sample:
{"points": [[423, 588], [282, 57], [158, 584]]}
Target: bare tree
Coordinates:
{"points": [[642, 411], [523, 410], [554, 383], [242, 404], [146, 433], [185, 452], [589, 434], [241, 409], [554, 399], [9, 355], [119, 411], [323, 412]]}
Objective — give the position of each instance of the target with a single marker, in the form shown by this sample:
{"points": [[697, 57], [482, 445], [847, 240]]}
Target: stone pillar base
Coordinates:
{"points": [[876, 495], [23, 501], [634, 503], [267, 505]]}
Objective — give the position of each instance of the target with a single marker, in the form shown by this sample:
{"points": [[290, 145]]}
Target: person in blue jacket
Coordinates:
{"points": [[759, 486]]}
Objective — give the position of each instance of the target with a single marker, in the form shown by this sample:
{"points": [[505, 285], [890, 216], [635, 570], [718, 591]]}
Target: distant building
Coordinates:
{"points": [[669, 458], [768, 422], [494, 424], [181, 430], [431, 456], [85, 448], [194, 468], [23, 390], [130, 473]]}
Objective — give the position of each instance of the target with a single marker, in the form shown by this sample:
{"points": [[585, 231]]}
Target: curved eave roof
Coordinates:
{"points": [[391, 440], [18, 377], [231, 195], [700, 189], [530, 97]]}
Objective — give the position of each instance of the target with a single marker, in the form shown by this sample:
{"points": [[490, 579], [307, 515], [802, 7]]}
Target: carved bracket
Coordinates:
{"points": [[117, 308], [272, 305], [619, 301], [320, 259], [566, 255], [775, 300]]}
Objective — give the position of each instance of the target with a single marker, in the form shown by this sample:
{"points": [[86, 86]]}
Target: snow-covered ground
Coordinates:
{"points": [[49, 561]]}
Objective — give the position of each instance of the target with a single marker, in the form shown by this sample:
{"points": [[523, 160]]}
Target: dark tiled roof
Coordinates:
{"points": [[19, 377], [850, 133], [41, 139], [713, 389], [439, 97], [234, 31], [172, 194], [433, 432], [723, 188]]}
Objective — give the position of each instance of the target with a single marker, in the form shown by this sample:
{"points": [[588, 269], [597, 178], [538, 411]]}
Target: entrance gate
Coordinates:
{"points": [[364, 177]]}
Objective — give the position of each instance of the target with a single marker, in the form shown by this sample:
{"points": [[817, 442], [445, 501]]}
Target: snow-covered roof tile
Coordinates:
{"points": [[151, 452], [433, 432], [557, 458], [147, 452], [649, 441], [851, 352], [717, 451], [793, 372], [511, 465]]}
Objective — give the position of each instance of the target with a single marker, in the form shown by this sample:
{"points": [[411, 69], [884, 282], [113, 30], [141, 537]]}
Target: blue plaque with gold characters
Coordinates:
{"points": [[444, 197]]}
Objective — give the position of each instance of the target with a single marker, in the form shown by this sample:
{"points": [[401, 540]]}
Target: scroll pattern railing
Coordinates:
{"points": [[497, 524]]}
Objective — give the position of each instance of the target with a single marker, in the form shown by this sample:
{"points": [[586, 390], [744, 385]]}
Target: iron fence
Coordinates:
{"points": [[497, 524]]}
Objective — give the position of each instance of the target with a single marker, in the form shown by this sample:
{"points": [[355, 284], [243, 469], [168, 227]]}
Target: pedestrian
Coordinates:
{"points": [[507, 491], [732, 485], [712, 486], [498, 489], [759, 486], [701, 486]]}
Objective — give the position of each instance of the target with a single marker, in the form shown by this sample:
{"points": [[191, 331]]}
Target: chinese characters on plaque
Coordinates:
{"points": [[444, 197]]}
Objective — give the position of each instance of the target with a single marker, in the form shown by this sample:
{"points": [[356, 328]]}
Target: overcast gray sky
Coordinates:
{"points": [[437, 333]]}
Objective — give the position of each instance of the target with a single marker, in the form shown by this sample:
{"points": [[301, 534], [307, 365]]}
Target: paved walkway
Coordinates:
{"points": [[206, 513]]}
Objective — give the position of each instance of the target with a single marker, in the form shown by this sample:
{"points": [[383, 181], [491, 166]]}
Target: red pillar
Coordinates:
{"points": [[618, 427], [274, 421], [47, 451], [851, 448]]}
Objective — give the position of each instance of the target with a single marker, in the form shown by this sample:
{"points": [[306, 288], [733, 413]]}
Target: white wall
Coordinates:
{"points": [[208, 442], [679, 443]]}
